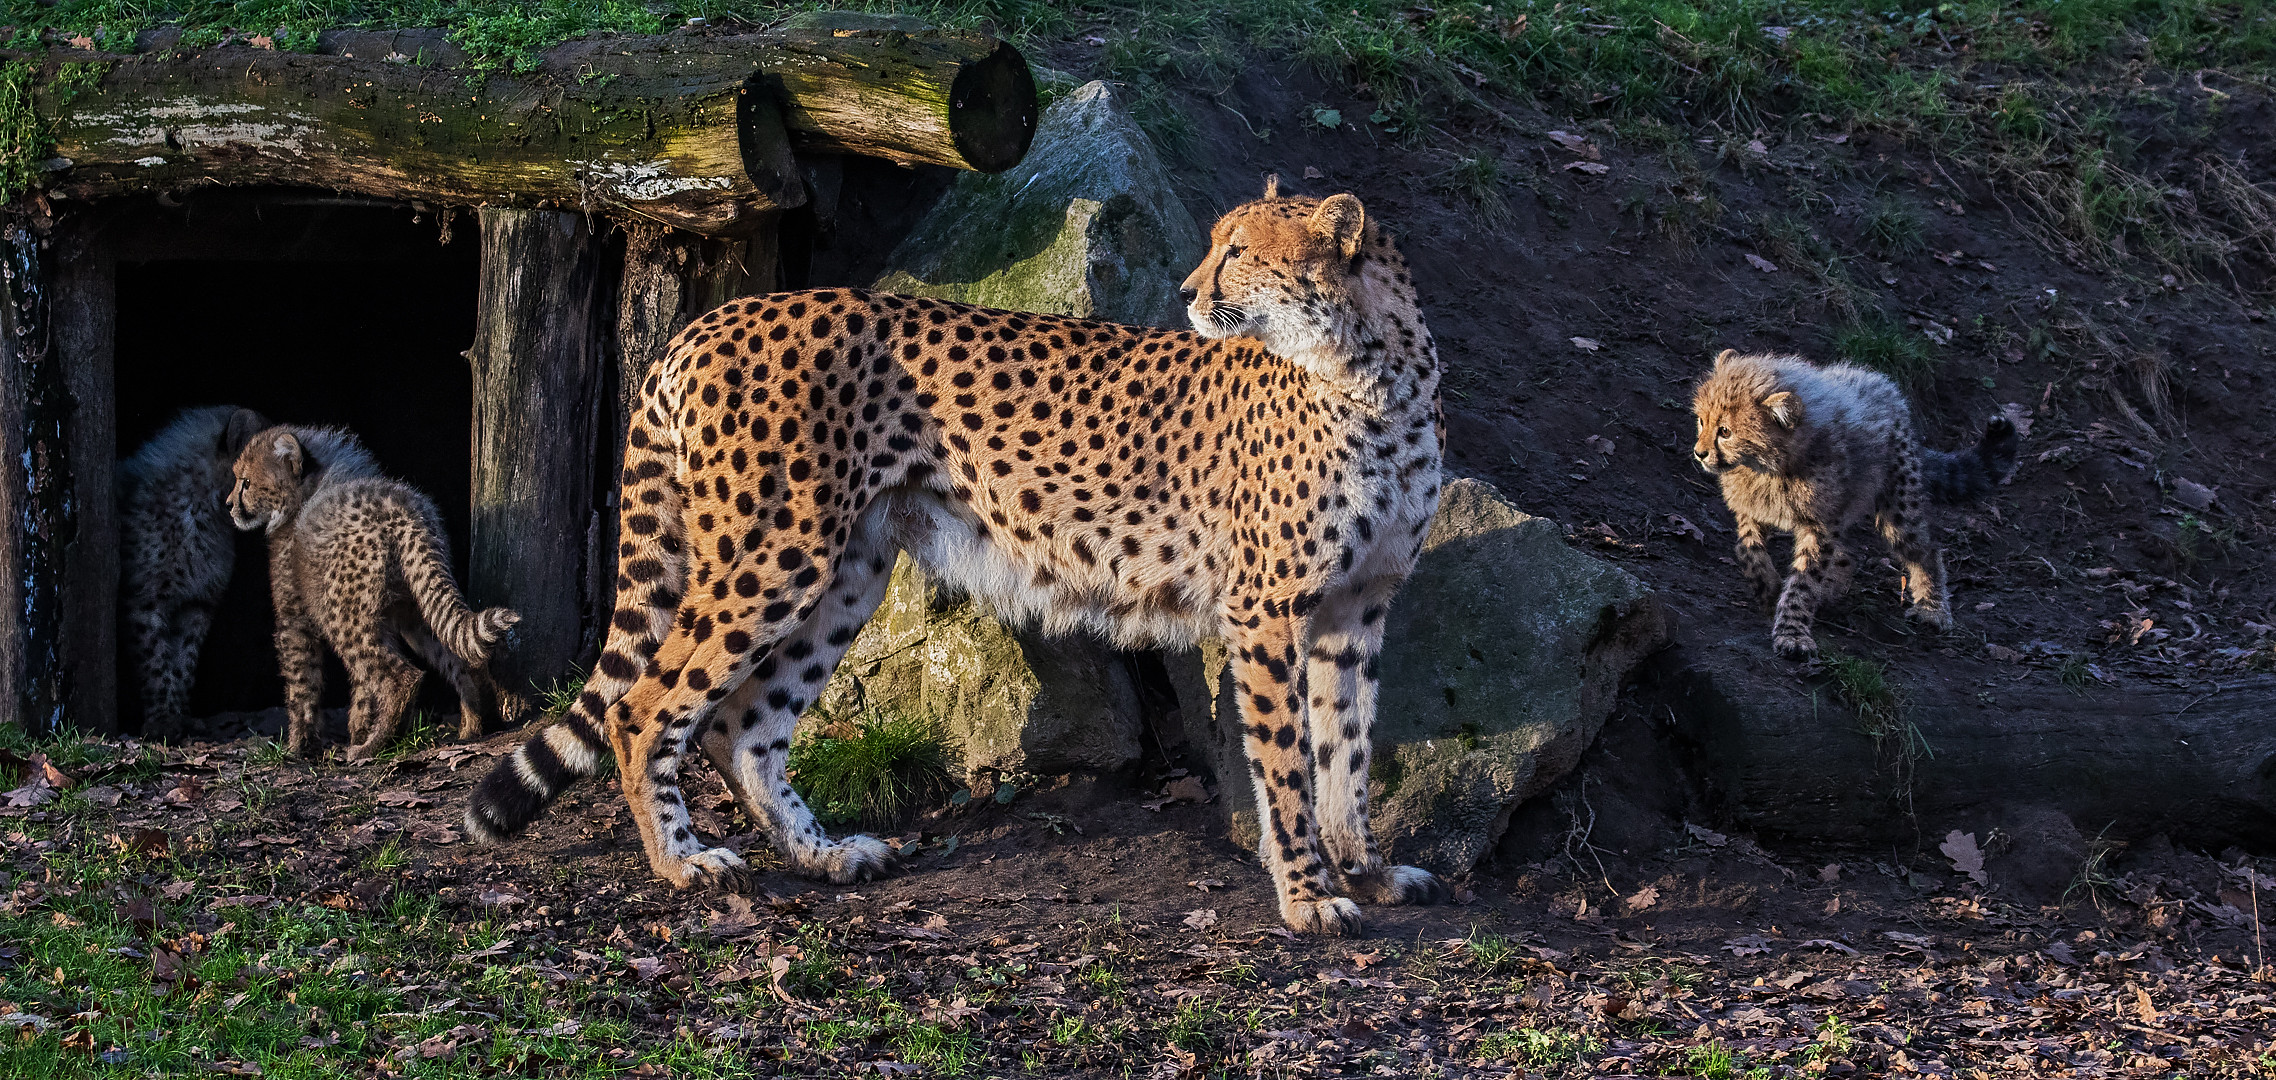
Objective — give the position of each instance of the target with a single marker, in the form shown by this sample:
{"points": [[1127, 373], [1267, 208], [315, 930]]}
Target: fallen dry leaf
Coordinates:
{"points": [[2194, 495], [1966, 857], [1587, 344], [1185, 789], [1593, 168], [1643, 899], [1201, 918], [1760, 263]]}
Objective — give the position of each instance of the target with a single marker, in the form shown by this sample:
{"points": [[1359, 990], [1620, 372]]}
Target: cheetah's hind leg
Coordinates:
{"points": [[749, 739]]}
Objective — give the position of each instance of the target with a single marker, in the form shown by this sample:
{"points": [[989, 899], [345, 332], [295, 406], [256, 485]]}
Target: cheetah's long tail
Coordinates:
{"points": [[1967, 475], [426, 567], [652, 569]]}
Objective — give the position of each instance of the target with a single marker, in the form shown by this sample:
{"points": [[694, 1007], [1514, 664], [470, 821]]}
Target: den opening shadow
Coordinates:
{"points": [[313, 313]]}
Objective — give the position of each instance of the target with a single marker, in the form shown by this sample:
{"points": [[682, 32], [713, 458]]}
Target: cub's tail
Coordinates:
{"points": [[1966, 475], [468, 634]]}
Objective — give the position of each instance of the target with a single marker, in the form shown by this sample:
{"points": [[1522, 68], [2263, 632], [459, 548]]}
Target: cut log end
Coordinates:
{"points": [[993, 111]]}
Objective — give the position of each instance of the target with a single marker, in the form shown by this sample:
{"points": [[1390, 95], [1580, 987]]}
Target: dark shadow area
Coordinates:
{"points": [[313, 311]]}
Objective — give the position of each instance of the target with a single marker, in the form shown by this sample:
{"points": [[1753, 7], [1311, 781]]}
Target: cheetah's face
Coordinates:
{"points": [[1284, 271], [1746, 431], [266, 488]]}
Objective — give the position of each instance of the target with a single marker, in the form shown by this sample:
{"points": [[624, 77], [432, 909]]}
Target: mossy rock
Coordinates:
{"points": [[1501, 658], [1086, 225], [1015, 701]]}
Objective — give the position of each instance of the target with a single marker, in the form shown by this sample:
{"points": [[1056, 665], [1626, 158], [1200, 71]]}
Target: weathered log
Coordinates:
{"points": [[1972, 743], [685, 130], [537, 391]]}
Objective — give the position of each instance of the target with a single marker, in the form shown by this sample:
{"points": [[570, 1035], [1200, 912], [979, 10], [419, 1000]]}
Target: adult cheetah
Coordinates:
{"points": [[1268, 478]]}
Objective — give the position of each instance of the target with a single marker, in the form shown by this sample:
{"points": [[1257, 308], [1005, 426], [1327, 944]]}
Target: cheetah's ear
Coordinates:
{"points": [[286, 447], [1784, 407], [1343, 220], [1724, 356], [243, 425], [1272, 185]]}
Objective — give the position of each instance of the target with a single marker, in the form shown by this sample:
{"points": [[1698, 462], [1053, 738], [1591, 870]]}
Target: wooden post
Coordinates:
{"points": [[84, 310], [39, 517], [537, 361]]}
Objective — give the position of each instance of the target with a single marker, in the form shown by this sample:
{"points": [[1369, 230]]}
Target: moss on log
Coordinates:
{"points": [[688, 131]]}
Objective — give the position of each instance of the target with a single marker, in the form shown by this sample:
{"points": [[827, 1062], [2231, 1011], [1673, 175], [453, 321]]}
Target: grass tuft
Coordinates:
{"points": [[1885, 346], [1892, 230], [881, 768]]}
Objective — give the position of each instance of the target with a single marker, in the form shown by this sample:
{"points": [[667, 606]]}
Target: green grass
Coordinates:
{"points": [[1892, 230], [1862, 683], [1535, 1048], [884, 767], [1900, 352]]}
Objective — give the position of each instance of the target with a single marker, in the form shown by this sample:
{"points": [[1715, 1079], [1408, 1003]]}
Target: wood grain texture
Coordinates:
{"points": [[692, 132], [85, 313], [538, 386], [2196, 762]]}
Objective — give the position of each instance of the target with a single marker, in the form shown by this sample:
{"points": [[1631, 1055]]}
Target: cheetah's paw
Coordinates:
{"points": [[858, 858], [716, 867], [1935, 615], [1334, 916], [1398, 885], [1793, 644]]}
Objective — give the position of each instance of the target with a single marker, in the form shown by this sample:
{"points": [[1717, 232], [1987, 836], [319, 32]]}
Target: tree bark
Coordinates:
{"points": [[41, 519], [2197, 763], [85, 313], [693, 132], [538, 385]]}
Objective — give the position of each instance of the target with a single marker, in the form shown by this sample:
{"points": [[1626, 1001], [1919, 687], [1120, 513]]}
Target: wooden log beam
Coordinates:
{"points": [[695, 132], [2196, 762], [538, 384]]}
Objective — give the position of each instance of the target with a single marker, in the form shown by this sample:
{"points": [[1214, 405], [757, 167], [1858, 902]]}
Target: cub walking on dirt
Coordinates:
{"points": [[1813, 450], [359, 560], [176, 552]]}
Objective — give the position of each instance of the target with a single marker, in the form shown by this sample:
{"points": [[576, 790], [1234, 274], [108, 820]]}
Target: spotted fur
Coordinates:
{"points": [[359, 561], [1813, 451], [176, 553], [1268, 479]]}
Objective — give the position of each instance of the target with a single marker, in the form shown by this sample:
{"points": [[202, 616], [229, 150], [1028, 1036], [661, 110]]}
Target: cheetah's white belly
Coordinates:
{"points": [[950, 546]]}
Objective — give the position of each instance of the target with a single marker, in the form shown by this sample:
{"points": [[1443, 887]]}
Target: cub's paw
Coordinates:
{"points": [[713, 867], [1793, 644], [361, 753], [858, 858], [1334, 916], [1934, 615], [1396, 885]]}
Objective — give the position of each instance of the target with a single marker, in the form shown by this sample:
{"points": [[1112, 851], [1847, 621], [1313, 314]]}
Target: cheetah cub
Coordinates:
{"points": [[359, 561], [1813, 451], [177, 553]]}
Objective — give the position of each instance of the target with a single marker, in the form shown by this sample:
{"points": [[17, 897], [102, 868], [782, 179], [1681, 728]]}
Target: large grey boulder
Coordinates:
{"points": [[1501, 658], [1086, 225]]}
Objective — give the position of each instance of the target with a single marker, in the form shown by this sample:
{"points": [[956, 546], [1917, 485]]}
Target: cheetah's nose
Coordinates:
{"points": [[1188, 294]]}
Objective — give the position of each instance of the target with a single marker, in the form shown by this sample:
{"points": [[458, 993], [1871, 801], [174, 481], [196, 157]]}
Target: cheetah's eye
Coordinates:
{"points": [[1232, 251], [1722, 433]]}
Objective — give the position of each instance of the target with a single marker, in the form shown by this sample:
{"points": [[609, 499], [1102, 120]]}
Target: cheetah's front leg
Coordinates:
{"points": [[1268, 672], [1341, 679], [1790, 629], [1753, 557]]}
